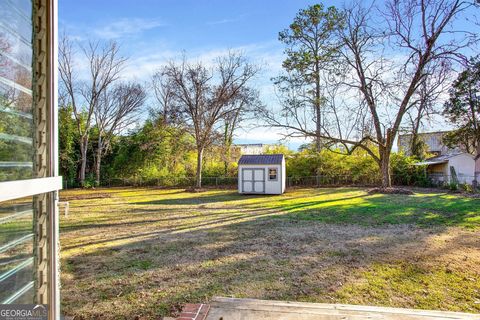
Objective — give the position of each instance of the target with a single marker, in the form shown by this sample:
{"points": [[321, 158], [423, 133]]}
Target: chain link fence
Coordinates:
{"points": [[292, 182]]}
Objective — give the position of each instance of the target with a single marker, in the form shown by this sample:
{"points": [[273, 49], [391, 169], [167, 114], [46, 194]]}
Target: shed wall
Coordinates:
{"points": [[477, 169], [464, 165], [271, 187]]}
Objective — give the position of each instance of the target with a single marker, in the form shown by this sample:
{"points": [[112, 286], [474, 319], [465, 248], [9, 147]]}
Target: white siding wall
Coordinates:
{"points": [[271, 187], [464, 165], [477, 169], [251, 148]]}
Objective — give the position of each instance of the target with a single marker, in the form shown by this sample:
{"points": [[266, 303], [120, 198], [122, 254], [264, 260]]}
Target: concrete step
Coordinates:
{"points": [[246, 309]]}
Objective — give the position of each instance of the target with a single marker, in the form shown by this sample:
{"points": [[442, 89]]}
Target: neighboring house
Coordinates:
{"points": [[263, 174], [444, 168], [434, 141], [251, 148], [477, 168]]}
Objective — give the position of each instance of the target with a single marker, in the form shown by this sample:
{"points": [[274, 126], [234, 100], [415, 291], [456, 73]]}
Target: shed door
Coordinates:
{"points": [[253, 180]]}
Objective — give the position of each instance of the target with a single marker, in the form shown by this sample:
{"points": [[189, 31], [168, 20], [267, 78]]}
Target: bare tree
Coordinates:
{"points": [[164, 94], [5, 48], [205, 96], [387, 53], [462, 109], [244, 106], [416, 29], [426, 103], [116, 110], [104, 67]]}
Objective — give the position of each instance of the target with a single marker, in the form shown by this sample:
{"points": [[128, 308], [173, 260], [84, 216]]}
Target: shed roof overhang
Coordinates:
{"points": [[428, 163]]}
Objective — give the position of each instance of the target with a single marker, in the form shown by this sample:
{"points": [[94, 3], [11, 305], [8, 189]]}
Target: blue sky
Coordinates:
{"points": [[152, 32], [181, 24]]}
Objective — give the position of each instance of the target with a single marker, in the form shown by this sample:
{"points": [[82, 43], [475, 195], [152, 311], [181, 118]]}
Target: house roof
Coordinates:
{"points": [[261, 159], [424, 133], [440, 159], [250, 145]]}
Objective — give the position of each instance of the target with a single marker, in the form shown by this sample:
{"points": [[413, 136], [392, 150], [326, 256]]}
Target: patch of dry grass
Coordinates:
{"points": [[144, 252]]}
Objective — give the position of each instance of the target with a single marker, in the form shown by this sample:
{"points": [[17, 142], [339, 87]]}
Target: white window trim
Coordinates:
{"points": [[10, 190], [276, 173]]}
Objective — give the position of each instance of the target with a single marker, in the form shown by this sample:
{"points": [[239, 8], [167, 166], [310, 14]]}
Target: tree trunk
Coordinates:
{"points": [[83, 160], [228, 145], [385, 167], [318, 120], [199, 167], [225, 163], [414, 147], [318, 141], [98, 161]]}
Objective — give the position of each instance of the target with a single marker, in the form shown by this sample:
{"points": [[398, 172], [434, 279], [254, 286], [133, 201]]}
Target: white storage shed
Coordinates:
{"points": [[262, 174]]}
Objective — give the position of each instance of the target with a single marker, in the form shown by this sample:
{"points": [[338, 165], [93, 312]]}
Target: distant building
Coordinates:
{"points": [[477, 168], [452, 167], [251, 148], [434, 141], [447, 161]]}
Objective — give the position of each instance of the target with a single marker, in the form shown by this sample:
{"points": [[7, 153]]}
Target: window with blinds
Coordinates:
{"points": [[16, 251], [16, 116], [16, 151]]}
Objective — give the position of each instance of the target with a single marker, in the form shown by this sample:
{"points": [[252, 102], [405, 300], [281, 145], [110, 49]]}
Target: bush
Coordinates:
{"points": [[405, 173], [453, 186], [468, 188], [90, 182]]}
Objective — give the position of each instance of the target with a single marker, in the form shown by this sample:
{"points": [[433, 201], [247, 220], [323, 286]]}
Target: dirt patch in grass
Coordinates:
{"points": [[86, 196], [146, 253], [196, 190], [392, 190]]}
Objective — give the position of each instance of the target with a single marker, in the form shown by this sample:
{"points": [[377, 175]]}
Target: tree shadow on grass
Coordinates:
{"points": [[259, 258], [232, 196], [221, 218], [422, 210], [198, 199], [149, 268]]}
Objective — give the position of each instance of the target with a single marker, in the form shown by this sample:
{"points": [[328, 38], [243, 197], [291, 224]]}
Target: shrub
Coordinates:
{"points": [[468, 188], [452, 186], [404, 172]]}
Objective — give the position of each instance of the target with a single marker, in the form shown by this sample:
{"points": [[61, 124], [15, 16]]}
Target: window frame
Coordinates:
{"points": [[44, 188], [10, 190], [276, 173]]}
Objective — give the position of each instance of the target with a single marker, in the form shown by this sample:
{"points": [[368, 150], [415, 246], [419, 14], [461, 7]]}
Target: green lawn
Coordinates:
{"points": [[142, 253]]}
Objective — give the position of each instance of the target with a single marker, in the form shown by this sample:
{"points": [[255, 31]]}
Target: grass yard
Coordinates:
{"points": [[142, 253]]}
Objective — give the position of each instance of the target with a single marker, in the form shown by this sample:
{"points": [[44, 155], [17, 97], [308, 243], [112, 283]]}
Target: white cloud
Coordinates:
{"points": [[226, 20], [126, 27], [267, 54], [222, 21], [145, 61], [269, 136], [150, 57]]}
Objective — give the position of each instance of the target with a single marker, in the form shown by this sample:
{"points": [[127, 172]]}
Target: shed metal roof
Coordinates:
{"points": [[440, 159], [261, 159]]}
